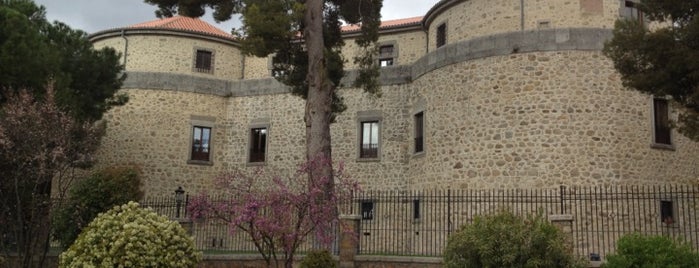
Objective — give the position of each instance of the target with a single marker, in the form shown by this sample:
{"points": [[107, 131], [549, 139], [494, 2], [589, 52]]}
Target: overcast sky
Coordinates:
{"points": [[97, 15]]}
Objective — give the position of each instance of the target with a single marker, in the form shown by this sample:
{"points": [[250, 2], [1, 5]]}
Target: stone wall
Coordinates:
{"points": [[175, 54], [540, 119], [154, 132], [477, 18], [522, 109]]}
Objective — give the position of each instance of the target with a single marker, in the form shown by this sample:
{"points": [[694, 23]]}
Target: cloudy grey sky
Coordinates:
{"points": [[96, 15]]}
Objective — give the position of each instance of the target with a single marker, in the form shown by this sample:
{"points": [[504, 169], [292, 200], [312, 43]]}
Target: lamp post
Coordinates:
{"points": [[179, 197]]}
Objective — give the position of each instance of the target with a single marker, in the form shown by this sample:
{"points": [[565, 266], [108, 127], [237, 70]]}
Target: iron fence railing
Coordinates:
{"points": [[418, 223]]}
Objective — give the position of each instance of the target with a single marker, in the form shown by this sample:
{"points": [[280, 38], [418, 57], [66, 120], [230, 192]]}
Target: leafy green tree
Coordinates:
{"points": [[506, 240], [313, 68], [95, 194], [636, 250], [36, 53], [663, 59]]}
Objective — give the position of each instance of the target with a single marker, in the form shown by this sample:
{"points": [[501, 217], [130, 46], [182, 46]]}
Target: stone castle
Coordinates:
{"points": [[475, 94]]}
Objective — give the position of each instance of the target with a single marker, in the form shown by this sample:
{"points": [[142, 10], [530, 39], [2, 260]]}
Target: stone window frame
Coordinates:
{"points": [[393, 57], [206, 122], [654, 130], [369, 116], [196, 55], [255, 124], [444, 28]]}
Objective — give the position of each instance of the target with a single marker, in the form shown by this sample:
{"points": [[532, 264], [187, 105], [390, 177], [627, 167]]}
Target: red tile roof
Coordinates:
{"points": [[184, 23], [387, 24]]}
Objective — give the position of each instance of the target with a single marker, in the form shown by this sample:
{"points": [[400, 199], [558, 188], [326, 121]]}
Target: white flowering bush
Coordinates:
{"points": [[130, 236]]}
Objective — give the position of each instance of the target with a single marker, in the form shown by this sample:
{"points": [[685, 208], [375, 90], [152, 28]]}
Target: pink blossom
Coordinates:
{"points": [[280, 214]]}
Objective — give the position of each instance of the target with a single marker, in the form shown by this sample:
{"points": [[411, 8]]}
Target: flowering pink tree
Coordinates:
{"points": [[278, 214], [40, 146]]}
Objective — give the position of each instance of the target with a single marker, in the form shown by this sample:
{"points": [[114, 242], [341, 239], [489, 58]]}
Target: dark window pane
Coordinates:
{"points": [[201, 137], [662, 121], [416, 209], [386, 51], [258, 144], [441, 35], [666, 212], [367, 208], [203, 62], [419, 132]]}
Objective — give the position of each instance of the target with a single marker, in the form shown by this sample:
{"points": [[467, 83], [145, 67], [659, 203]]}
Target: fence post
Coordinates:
{"points": [[349, 239], [564, 222]]}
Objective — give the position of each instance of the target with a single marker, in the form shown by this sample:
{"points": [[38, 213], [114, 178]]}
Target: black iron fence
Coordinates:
{"points": [[418, 223]]}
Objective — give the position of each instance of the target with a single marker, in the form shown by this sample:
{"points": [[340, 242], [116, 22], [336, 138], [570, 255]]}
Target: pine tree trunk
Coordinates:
{"points": [[320, 91]]}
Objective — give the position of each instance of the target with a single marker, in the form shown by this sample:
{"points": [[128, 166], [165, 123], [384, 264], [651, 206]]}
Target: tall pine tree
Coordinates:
{"points": [[35, 53]]}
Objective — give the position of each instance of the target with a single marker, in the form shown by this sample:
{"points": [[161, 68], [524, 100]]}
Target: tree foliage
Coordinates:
{"points": [[506, 240], [662, 60], [95, 194], [636, 250], [35, 53], [131, 236], [277, 214], [39, 145]]}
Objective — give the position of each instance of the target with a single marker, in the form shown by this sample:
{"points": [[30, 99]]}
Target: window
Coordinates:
{"points": [[369, 143], [661, 122], [201, 143], [258, 144], [630, 10], [203, 61], [277, 66], [367, 208], [416, 209], [386, 55], [667, 212], [441, 35], [419, 132]]}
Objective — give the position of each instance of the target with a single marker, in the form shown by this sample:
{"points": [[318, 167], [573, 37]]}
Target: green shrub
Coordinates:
{"points": [[318, 259], [93, 195], [636, 250], [130, 236], [506, 240]]}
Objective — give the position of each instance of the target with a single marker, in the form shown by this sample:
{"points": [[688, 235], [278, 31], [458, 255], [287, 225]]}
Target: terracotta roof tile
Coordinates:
{"points": [[386, 24], [184, 23]]}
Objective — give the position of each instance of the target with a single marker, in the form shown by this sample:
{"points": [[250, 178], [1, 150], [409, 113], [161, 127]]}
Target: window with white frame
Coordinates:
{"points": [[258, 145], [201, 136], [369, 141]]}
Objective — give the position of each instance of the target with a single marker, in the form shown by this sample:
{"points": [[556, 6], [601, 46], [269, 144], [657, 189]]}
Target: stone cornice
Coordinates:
{"points": [[580, 39], [119, 32]]}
